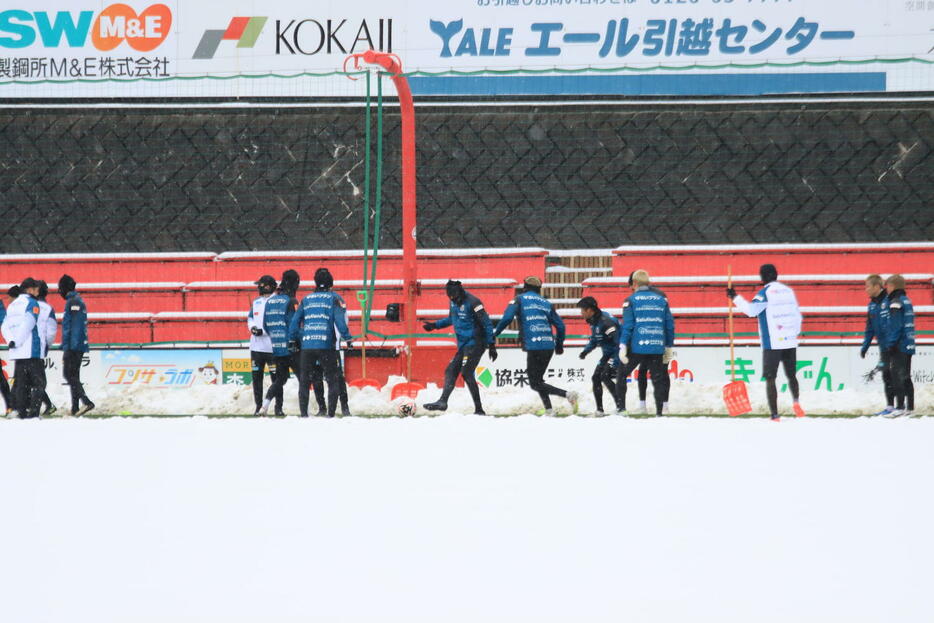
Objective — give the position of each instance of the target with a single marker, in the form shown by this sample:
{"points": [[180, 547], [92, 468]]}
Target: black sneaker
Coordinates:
{"points": [[49, 410], [280, 413], [479, 412], [87, 407], [436, 406]]}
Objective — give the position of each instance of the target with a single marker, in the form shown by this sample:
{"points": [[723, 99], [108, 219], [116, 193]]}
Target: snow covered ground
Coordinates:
{"points": [[464, 518], [693, 398]]}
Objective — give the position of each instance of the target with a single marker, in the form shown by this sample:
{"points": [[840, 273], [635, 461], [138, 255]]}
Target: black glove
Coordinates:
{"points": [[583, 355], [256, 331], [730, 293], [294, 346], [493, 354], [12, 344], [429, 326], [349, 344], [559, 348], [862, 353]]}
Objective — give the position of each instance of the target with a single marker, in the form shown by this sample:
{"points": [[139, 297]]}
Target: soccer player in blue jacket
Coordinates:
{"points": [[537, 317], [604, 334], [288, 285], [642, 374], [277, 317], [320, 319], [261, 355], [900, 344], [474, 333], [876, 320], [74, 343], [648, 334], [49, 324]]}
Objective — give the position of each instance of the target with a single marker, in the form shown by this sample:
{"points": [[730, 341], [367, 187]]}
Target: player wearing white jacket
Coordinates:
{"points": [[776, 308], [27, 339], [261, 355]]}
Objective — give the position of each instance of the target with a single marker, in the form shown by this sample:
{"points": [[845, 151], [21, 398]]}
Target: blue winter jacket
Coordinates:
{"points": [[276, 322], [537, 316], [75, 324], [877, 316], [604, 332], [470, 321], [648, 327], [318, 319], [900, 329]]}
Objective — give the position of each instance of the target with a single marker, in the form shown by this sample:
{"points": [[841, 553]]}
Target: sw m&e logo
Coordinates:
{"points": [[243, 30], [117, 23]]}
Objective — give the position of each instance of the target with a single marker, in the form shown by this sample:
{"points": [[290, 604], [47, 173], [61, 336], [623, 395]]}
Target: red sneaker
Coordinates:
{"points": [[799, 411]]}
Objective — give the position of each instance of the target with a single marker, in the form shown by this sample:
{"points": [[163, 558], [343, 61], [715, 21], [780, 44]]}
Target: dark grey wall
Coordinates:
{"points": [[562, 177]]}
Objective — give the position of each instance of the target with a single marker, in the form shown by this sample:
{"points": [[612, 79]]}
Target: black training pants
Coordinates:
{"points": [[464, 364], [280, 374], [887, 380], [604, 374], [536, 364], [29, 385], [657, 370], [260, 362], [327, 359], [5, 391], [71, 370], [771, 357], [902, 385]]}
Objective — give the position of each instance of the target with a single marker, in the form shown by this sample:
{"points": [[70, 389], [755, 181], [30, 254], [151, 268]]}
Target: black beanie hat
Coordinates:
{"points": [[454, 289], [768, 273], [290, 281], [588, 302], [323, 278], [66, 284]]}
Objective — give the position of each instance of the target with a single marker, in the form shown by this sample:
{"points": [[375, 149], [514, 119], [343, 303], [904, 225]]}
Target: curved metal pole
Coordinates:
{"points": [[393, 66]]}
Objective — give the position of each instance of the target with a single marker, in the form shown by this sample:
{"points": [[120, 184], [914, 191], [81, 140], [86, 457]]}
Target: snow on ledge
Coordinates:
{"points": [[843, 310], [200, 315], [107, 257], [580, 252], [917, 277], [117, 316], [764, 248], [345, 253]]}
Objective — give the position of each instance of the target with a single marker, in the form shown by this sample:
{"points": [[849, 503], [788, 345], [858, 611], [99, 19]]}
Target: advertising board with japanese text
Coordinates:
{"points": [[194, 381], [52, 48]]}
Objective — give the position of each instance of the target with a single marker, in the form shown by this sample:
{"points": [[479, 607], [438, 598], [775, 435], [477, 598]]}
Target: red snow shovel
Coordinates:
{"points": [[734, 393]]}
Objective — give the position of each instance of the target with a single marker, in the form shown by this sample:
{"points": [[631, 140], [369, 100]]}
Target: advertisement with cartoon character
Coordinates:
{"points": [[168, 369]]}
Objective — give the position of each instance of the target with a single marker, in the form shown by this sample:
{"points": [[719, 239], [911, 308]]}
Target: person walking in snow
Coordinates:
{"points": [[541, 332], [776, 308]]}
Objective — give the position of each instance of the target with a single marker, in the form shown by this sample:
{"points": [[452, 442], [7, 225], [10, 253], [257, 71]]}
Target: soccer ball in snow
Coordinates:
{"points": [[406, 407]]}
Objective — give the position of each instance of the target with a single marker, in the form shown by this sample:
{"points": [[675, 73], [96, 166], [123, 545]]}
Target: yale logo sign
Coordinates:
{"points": [[117, 23]]}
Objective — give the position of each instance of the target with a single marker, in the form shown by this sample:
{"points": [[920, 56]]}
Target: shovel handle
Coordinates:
{"points": [[729, 284]]}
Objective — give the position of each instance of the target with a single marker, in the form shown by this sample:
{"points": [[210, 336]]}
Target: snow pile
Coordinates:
{"points": [[690, 398], [466, 519]]}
